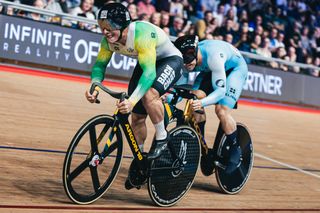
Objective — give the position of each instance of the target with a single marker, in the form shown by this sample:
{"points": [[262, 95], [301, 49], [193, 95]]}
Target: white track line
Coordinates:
{"points": [[286, 165]]}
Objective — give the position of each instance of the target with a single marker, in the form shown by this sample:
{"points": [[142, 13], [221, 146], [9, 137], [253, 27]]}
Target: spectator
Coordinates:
{"points": [[292, 57], [305, 40], [244, 29], [264, 50], [64, 5], [144, 17], [243, 43], [315, 42], [165, 19], [210, 22], [209, 5], [243, 16], [162, 5], [54, 6], [85, 8], [75, 3], [282, 4], [228, 28], [309, 61], [268, 17], [281, 54], [201, 28], [133, 11], [219, 15], [145, 7], [316, 63], [279, 20], [177, 26], [231, 6], [231, 15], [257, 22], [259, 30], [255, 6], [209, 36], [302, 7], [166, 30], [36, 16], [156, 19], [176, 8], [228, 38], [281, 39], [189, 10], [294, 39], [9, 11], [274, 44]]}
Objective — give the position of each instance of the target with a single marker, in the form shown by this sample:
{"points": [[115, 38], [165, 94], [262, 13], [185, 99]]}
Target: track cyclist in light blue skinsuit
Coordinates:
{"points": [[222, 75]]}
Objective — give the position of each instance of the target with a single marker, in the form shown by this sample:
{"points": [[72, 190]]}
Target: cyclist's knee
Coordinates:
{"points": [[222, 111], [199, 93], [151, 97], [200, 117]]}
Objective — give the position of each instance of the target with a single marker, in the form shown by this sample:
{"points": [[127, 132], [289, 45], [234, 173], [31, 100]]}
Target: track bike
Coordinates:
{"points": [[94, 156], [213, 160]]}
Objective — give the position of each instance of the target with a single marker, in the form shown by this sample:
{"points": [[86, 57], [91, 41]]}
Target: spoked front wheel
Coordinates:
{"points": [[90, 166], [173, 173], [233, 183]]}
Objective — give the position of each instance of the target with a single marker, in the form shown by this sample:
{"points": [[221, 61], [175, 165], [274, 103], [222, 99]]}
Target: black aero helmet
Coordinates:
{"points": [[115, 16], [188, 46]]}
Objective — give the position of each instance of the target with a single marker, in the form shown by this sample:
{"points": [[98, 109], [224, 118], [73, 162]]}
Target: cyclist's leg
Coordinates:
{"points": [[235, 82], [139, 114], [168, 72], [205, 89], [139, 127], [200, 118]]}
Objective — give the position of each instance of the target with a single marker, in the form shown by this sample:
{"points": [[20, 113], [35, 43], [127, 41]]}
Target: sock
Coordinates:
{"points": [[232, 138], [201, 126], [161, 132], [141, 147]]}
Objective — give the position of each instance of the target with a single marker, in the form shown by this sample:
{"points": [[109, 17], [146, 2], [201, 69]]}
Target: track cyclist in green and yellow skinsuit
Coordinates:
{"points": [[159, 67]]}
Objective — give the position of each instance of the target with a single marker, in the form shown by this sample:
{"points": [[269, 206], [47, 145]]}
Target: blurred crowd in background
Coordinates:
{"points": [[285, 29]]}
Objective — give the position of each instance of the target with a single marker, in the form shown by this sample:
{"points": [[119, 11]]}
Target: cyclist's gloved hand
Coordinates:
{"points": [[92, 98], [125, 106], [196, 105]]}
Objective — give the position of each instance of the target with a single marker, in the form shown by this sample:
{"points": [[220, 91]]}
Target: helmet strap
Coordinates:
{"points": [[120, 37]]}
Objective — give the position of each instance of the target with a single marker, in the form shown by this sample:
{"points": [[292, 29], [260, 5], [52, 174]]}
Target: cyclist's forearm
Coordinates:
{"points": [[213, 98], [98, 72]]}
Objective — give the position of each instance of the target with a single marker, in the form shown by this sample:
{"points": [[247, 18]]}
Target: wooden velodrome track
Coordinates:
{"points": [[40, 112]]}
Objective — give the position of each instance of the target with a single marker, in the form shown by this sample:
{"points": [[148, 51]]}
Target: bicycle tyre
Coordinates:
{"points": [[234, 182], [78, 151], [167, 186]]}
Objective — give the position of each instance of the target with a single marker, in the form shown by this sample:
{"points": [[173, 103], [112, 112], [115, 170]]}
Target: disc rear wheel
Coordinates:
{"points": [[171, 177]]}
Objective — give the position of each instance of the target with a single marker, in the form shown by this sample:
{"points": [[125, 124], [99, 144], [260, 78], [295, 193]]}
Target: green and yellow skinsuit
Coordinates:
{"points": [[146, 42]]}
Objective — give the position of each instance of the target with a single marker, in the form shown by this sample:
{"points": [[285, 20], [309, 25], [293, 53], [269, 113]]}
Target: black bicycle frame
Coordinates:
{"points": [[122, 119]]}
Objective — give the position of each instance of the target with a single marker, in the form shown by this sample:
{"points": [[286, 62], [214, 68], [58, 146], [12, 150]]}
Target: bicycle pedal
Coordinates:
{"points": [[128, 185]]}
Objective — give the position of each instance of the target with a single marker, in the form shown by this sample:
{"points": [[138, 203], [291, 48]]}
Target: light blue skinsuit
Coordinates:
{"points": [[220, 57]]}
